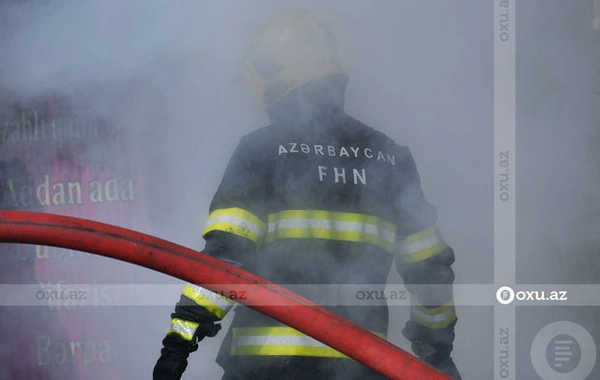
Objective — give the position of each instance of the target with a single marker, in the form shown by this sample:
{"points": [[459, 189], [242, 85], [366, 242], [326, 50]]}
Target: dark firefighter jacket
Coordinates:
{"points": [[323, 205]]}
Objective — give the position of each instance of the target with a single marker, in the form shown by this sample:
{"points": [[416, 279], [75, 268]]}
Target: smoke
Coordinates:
{"points": [[559, 119], [419, 71], [168, 70], [161, 71]]}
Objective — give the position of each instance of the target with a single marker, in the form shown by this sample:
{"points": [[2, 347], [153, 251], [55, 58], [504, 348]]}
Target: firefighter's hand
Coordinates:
{"points": [[439, 358], [449, 368], [173, 359]]}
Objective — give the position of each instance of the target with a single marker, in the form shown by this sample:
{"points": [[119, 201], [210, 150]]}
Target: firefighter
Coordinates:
{"points": [[318, 198]]}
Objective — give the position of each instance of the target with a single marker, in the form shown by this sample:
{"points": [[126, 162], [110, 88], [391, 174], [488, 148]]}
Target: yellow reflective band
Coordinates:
{"points": [[211, 301], [435, 318], [331, 225], [421, 245], [278, 341], [185, 329], [236, 221]]}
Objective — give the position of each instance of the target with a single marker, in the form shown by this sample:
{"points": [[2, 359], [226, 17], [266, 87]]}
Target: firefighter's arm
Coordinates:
{"points": [[424, 261], [199, 310], [236, 224], [433, 316], [233, 232], [194, 318]]}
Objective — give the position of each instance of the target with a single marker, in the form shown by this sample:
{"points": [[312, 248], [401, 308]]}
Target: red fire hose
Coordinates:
{"points": [[195, 267]]}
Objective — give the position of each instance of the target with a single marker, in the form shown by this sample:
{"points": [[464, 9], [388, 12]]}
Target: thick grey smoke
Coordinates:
{"points": [[419, 71]]}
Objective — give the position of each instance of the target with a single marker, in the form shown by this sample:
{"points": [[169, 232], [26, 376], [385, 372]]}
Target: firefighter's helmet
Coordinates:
{"points": [[291, 50]]}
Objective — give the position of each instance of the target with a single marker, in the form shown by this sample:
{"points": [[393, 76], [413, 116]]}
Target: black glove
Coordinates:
{"points": [[438, 358], [433, 346], [449, 368], [173, 358]]}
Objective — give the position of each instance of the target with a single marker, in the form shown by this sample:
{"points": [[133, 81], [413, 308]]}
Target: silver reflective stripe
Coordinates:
{"points": [[185, 329], [415, 247], [370, 229], [211, 301], [236, 221], [421, 245], [431, 319], [278, 341], [332, 225], [262, 340]]}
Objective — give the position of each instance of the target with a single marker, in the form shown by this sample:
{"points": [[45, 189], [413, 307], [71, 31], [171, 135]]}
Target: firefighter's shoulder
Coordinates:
{"points": [[362, 131], [267, 136]]}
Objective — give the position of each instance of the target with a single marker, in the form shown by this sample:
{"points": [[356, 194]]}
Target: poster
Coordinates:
{"points": [[57, 157]]}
